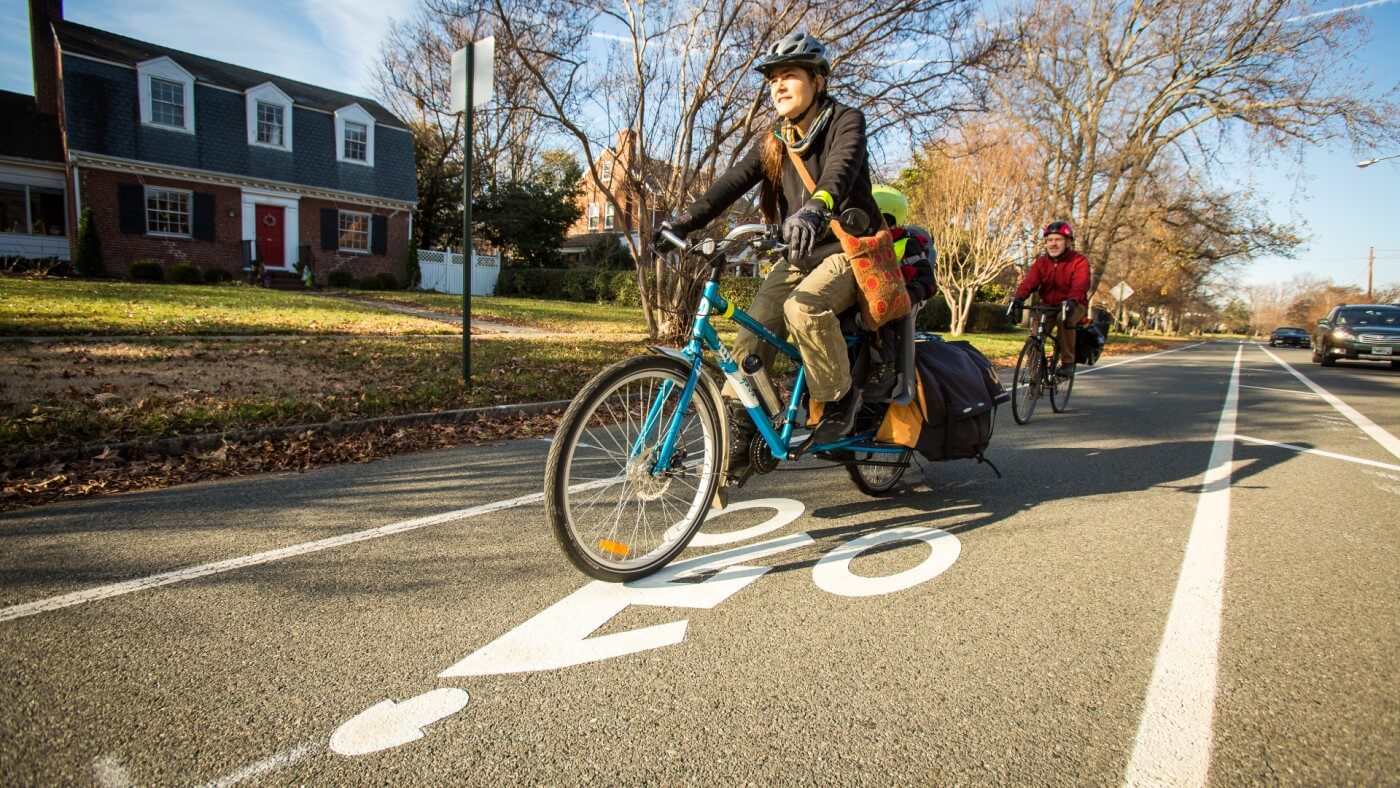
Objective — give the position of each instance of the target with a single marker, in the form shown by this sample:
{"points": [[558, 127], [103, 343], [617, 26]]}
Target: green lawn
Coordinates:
{"points": [[562, 316], [34, 306]]}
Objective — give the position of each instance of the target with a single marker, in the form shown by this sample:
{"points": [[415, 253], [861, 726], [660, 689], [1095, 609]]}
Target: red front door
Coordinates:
{"points": [[268, 226]]}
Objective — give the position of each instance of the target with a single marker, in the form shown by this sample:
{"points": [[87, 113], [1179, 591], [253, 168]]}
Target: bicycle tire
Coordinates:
{"points": [[877, 480], [1025, 383], [626, 538], [1060, 388]]}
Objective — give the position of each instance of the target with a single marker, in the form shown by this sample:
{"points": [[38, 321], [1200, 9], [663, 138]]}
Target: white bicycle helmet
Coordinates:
{"points": [[795, 49]]}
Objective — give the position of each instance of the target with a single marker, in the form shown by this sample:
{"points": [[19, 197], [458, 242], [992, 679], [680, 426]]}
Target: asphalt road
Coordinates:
{"points": [[1109, 611]]}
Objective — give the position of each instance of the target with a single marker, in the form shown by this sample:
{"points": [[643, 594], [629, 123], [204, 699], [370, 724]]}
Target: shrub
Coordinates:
{"points": [[984, 317], [185, 274], [384, 281], [413, 274], [341, 279], [216, 275], [147, 271], [88, 255]]}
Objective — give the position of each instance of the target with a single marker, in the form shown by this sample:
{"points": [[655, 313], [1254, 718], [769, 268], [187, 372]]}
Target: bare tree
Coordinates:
{"points": [[414, 76], [677, 78], [976, 196], [1110, 88]]}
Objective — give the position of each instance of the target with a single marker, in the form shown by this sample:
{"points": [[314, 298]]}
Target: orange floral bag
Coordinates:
{"points": [[883, 296]]}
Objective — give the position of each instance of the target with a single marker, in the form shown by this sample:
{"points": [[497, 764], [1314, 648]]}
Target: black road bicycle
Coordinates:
{"points": [[1038, 370]]}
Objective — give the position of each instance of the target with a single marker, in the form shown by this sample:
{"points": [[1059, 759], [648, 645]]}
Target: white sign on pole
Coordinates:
{"points": [[483, 74], [1121, 291]]}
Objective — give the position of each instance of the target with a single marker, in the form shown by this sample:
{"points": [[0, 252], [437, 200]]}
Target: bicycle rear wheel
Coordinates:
{"points": [[1026, 383], [1060, 387], [878, 480], [614, 516]]}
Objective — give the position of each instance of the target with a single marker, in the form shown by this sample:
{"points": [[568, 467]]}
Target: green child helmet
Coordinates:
{"points": [[892, 203]]}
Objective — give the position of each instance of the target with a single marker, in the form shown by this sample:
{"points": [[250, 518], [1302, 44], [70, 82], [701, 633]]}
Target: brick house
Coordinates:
{"points": [[33, 217], [186, 159], [598, 218]]}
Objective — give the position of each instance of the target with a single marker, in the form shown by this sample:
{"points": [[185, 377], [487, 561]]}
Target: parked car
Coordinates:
{"points": [[1296, 337], [1359, 331]]}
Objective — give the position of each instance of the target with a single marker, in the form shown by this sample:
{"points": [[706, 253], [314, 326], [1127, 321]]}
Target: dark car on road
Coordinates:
{"points": [[1369, 332], [1295, 337]]}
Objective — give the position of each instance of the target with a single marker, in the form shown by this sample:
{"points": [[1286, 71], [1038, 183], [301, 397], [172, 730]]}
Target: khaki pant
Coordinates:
{"points": [[806, 307], [1066, 337]]}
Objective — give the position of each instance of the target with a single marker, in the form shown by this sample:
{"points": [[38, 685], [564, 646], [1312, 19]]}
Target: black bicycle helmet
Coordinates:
{"points": [[795, 49], [1059, 228]]}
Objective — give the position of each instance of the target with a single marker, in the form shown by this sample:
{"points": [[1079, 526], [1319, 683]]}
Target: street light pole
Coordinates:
{"points": [[1368, 162]]}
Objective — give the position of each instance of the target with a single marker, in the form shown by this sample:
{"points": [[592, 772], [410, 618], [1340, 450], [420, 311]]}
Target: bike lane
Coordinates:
{"points": [[1024, 658], [1310, 680]]}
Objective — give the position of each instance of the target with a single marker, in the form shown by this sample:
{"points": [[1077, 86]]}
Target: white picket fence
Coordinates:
{"points": [[441, 271]]}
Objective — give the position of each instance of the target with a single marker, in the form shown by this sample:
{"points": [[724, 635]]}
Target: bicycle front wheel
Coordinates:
{"points": [[615, 512], [1026, 383], [1060, 386]]}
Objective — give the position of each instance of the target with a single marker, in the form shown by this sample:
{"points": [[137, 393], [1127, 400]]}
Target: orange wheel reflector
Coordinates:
{"points": [[616, 548]]}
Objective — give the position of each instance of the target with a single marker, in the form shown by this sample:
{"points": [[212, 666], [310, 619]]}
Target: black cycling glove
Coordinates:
{"points": [[802, 229], [1069, 306]]}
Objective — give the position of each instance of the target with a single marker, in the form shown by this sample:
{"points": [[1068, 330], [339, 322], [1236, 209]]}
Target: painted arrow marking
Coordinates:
{"points": [[388, 724]]}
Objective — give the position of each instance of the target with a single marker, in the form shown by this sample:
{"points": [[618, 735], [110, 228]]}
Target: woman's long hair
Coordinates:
{"points": [[774, 153]]}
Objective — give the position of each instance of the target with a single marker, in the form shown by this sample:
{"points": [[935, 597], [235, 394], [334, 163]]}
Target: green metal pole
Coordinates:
{"points": [[467, 227]]}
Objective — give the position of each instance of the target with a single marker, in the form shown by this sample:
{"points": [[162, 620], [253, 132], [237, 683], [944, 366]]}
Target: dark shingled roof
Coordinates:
{"points": [[82, 40], [26, 133]]}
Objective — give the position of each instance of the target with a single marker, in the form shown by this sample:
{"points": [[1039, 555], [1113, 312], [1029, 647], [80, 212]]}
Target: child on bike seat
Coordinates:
{"points": [[912, 245]]}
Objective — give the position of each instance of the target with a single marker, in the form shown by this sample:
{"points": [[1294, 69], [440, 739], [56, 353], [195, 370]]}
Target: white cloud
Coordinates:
{"points": [[1332, 11], [353, 31]]}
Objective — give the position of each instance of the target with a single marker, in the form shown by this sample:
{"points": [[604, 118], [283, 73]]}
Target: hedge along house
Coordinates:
{"points": [[184, 159]]}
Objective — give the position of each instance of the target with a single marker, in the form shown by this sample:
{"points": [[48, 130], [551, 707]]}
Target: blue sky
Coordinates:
{"points": [[333, 43]]}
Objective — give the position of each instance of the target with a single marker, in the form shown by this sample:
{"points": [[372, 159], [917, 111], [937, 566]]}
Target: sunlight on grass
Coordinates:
{"points": [[33, 307]]}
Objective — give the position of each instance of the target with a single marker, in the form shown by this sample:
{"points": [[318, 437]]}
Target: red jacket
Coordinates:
{"points": [[1069, 278]]}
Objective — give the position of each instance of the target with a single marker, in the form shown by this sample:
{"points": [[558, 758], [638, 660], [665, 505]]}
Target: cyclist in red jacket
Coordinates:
{"points": [[1061, 276]]}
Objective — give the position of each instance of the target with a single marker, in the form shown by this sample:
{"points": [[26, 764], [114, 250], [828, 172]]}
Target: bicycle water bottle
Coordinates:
{"points": [[758, 378]]}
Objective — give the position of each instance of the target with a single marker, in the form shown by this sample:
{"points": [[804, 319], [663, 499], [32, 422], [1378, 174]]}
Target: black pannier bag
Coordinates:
{"points": [[1089, 340], [951, 415]]}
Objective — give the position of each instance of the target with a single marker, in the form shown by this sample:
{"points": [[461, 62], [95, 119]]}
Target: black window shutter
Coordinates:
{"points": [[330, 228], [131, 208], [203, 216], [378, 234]]}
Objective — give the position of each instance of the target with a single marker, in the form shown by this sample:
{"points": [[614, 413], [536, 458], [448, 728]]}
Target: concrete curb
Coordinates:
{"points": [[184, 444]]}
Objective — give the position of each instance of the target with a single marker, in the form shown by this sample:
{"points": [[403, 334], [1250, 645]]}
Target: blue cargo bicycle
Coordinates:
{"points": [[642, 450]]}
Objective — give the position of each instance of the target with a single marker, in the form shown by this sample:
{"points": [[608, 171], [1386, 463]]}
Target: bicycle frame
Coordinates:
{"points": [[704, 337]]}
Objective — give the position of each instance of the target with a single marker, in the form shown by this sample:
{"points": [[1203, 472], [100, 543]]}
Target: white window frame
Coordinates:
{"points": [[164, 68], [609, 217], [356, 114], [146, 211], [593, 217], [607, 169], [369, 232], [268, 93]]}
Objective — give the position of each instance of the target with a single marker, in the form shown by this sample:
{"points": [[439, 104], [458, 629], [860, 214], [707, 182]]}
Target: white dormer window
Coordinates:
{"points": [[166, 93], [269, 113], [354, 135]]}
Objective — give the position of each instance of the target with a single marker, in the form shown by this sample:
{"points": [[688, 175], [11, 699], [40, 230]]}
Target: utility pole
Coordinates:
{"points": [[1370, 270]]}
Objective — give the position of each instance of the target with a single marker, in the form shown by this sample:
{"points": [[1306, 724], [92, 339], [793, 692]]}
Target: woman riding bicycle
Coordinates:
{"points": [[804, 294], [1061, 276]]}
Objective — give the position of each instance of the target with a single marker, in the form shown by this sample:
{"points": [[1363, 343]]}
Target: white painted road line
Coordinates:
{"points": [[228, 565], [1174, 739], [1281, 391], [279, 761], [1131, 359], [1390, 442], [1318, 452]]}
